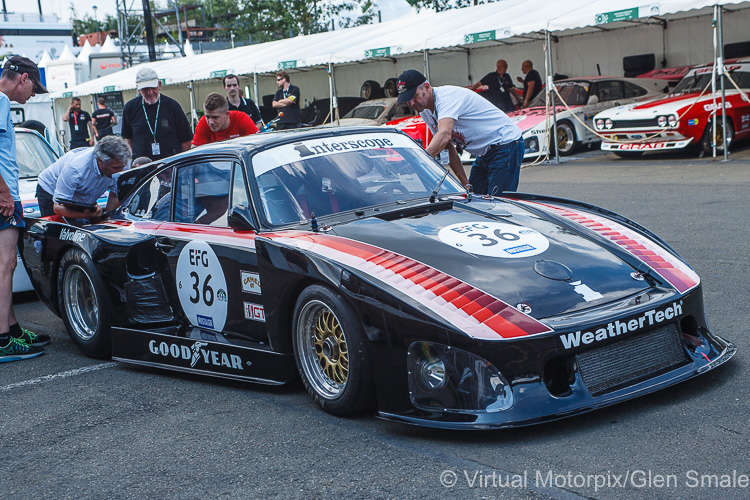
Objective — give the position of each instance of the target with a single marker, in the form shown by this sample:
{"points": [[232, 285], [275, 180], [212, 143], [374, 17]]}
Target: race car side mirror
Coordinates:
{"points": [[594, 99], [240, 219]]}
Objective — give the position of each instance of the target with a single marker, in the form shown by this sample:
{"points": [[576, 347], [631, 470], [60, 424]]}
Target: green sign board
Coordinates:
{"points": [[381, 52], [619, 15], [484, 36], [67, 94], [288, 64], [163, 81], [219, 74], [111, 88]]}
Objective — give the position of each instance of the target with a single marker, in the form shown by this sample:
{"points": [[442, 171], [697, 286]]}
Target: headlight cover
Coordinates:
{"points": [[531, 145], [661, 121], [608, 124], [599, 124], [672, 120], [444, 378]]}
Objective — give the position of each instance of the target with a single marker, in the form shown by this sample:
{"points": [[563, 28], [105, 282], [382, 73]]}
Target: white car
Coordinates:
{"points": [[375, 112], [34, 154], [586, 97]]}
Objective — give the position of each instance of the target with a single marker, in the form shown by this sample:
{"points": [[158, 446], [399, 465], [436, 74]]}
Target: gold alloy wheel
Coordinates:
{"points": [[330, 347], [323, 351]]}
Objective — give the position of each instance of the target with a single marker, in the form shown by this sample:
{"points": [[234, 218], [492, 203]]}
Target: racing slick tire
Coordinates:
{"points": [[705, 145], [566, 139], [330, 349], [83, 302], [390, 87], [34, 125], [628, 154], [370, 90]]}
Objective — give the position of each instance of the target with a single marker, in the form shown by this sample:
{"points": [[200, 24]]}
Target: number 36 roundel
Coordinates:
{"points": [[201, 286], [494, 239]]}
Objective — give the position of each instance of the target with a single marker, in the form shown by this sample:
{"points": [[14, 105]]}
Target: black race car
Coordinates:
{"points": [[345, 255]]}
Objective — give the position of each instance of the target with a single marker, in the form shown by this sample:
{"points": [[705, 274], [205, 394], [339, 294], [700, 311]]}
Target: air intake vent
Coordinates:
{"points": [[632, 360]]}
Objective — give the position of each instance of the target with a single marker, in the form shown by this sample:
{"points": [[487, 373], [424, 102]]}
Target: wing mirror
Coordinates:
{"points": [[594, 99], [240, 219]]}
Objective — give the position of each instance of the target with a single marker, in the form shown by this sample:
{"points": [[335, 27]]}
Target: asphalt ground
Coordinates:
{"points": [[74, 427]]}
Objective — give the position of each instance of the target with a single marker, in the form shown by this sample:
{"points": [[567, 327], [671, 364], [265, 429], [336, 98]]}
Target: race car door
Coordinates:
{"points": [[214, 269]]}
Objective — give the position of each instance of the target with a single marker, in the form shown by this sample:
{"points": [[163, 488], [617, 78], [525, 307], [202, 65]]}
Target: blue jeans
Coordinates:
{"points": [[497, 170]]}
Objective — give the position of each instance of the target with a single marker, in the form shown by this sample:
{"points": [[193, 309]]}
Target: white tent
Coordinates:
{"points": [[498, 25], [454, 47]]}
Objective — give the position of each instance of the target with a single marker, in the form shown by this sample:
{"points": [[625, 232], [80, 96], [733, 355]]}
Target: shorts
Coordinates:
{"points": [[16, 220]]}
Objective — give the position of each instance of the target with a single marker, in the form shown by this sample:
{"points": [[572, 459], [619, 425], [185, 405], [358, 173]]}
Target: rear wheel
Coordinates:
{"points": [[370, 90], [390, 87], [84, 304], [566, 139], [330, 349], [710, 137]]}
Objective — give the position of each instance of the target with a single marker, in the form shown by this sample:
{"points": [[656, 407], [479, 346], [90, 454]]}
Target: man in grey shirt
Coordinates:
{"points": [[72, 185]]}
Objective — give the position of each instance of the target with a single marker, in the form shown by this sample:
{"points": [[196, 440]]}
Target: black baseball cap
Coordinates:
{"points": [[408, 81], [23, 65]]}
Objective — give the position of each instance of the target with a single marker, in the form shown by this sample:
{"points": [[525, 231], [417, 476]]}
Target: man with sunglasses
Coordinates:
{"points": [[286, 100], [19, 81]]}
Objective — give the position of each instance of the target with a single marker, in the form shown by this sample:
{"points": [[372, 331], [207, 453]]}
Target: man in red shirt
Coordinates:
{"points": [[220, 124]]}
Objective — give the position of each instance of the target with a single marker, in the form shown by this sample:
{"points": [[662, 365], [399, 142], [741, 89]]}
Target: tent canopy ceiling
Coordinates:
{"points": [[457, 29]]}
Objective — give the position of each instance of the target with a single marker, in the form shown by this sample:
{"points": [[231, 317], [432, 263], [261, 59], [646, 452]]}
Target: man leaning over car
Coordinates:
{"points": [[80, 177]]}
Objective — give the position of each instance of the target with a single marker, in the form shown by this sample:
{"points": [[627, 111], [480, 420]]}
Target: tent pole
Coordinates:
{"points": [[723, 90], [334, 107], [426, 55], [193, 112], [550, 89], [255, 90]]}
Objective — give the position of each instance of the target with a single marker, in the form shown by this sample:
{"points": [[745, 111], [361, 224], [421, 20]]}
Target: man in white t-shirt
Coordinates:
{"points": [[457, 115]]}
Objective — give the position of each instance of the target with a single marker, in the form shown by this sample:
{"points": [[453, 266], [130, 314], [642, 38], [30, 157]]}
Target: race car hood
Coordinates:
{"points": [[674, 104], [504, 250], [353, 122], [526, 119]]}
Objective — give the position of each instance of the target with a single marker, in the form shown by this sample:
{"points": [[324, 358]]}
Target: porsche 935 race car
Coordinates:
{"points": [[684, 118], [349, 257]]}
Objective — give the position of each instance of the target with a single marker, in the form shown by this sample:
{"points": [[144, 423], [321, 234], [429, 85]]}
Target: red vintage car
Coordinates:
{"points": [[684, 118]]}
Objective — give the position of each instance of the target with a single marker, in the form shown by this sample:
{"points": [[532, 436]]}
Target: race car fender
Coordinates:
{"points": [[389, 324]]}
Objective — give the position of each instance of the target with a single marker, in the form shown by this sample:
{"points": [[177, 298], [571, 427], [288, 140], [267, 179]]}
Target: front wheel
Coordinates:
{"points": [[84, 304], [330, 349], [566, 139], [710, 137]]}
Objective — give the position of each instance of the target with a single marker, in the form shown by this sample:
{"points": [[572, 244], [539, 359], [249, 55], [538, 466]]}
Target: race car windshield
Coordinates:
{"points": [[696, 82], [574, 93], [368, 112], [324, 184], [33, 155]]}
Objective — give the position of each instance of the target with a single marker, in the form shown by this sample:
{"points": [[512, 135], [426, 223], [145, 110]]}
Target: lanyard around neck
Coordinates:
{"points": [[156, 118]]}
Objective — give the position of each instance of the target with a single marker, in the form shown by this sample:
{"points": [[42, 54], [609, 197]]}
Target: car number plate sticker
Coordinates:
{"points": [[201, 286], [494, 239]]}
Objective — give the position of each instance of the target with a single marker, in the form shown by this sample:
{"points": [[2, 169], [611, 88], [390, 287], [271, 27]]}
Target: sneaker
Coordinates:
{"points": [[28, 336], [17, 350]]}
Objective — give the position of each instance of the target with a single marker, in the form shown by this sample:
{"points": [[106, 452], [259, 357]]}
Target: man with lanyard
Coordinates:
{"points": [[497, 87], [72, 185], [239, 103], [286, 100], [154, 125], [81, 131], [220, 124], [104, 120], [456, 114], [19, 81]]}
